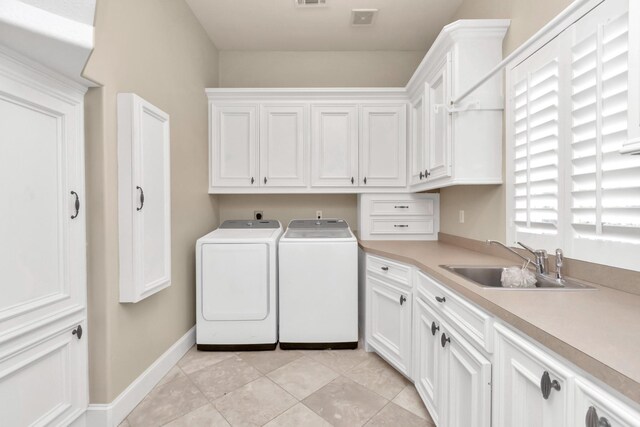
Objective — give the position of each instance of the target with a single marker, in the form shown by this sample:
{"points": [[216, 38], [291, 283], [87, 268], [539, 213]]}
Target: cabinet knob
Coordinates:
{"points": [[141, 198], [352, 180], [385, 268], [76, 205], [265, 179], [426, 173], [77, 332], [444, 339], [441, 299], [252, 180], [421, 175], [402, 299], [546, 385], [434, 328], [592, 419], [365, 180]]}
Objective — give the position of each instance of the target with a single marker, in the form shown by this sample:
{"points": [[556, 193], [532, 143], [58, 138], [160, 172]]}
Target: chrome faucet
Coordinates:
{"points": [[541, 258], [559, 263]]}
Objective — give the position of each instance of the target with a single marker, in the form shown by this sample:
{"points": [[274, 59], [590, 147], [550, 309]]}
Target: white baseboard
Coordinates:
{"points": [[112, 414]]}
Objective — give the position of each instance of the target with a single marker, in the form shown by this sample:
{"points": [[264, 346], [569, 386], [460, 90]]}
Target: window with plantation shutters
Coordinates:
{"points": [[568, 184]]}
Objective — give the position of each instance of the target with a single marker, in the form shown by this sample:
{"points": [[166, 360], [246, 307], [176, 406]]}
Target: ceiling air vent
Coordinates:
{"points": [[310, 3], [363, 16]]}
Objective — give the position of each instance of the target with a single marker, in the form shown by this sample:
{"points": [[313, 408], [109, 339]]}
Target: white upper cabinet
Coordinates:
{"points": [[234, 145], [419, 120], [283, 148], [383, 145], [144, 198], [462, 142], [334, 144], [438, 135]]}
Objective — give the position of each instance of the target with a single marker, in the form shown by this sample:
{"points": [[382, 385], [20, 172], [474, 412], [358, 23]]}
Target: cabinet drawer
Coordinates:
{"points": [[389, 269], [474, 323], [402, 226], [402, 207]]}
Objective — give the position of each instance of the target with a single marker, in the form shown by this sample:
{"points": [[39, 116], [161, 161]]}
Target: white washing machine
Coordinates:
{"points": [[237, 286], [318, 285]]}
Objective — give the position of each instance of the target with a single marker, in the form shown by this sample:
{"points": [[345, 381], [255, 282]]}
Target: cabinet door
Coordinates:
{"points": [[596, 408], [144, 187], [389, 318], [283, 146], [439, 125], [427, 352], [334, 141], [383, 146], [234, 146], [419, 120], [42, 231], [517, 395], [466, 383]]}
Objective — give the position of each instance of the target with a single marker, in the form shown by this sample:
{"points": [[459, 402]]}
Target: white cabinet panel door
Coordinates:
{"points": [[389, 308], [144, 198], [283, 146], [234, 145], [419, 126], [439, 124], [466, 386], [595, 407], [42, 234], [383, 146], [427, 356], [40, 383], [334, 141], [517, 396]]}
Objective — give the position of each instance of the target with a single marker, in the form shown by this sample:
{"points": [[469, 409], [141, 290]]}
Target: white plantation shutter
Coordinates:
{"points": [[568, 175]]}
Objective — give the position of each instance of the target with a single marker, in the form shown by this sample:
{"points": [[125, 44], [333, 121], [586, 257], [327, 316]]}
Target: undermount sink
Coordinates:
{"points": [[489, 277]]}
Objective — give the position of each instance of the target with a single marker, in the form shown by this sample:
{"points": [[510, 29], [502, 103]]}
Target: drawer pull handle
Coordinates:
{"points": [[402, 299], [444, 339], [401, 207], [385, 268], [141, 198], [441, 299], [546, 385], [592, 419], [401, 225], [434, 328]]}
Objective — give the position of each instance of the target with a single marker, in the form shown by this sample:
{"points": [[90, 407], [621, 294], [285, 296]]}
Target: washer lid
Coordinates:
{"points": [[247, 223], [318, 229]]}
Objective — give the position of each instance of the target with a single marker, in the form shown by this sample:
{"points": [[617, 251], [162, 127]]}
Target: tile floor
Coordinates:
{"points": [[281, 388]]}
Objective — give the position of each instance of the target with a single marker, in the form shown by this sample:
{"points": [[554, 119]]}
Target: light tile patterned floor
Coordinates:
{"points": [[281, 389]]}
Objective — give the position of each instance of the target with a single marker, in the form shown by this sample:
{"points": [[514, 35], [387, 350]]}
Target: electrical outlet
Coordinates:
{"points": [[318, 214], [258, 215], [461, 217]]}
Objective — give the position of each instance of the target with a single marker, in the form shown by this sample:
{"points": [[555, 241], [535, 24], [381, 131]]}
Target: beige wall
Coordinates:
{"points": [[157, 49], [485, 206], [308, 69], [317, 69]]}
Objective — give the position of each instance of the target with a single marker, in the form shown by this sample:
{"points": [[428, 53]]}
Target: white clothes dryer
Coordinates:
{"points": [[237, 285]]}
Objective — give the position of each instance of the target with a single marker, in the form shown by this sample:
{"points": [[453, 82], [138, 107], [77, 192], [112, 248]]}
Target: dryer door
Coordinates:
{"points": [[235, 281]]}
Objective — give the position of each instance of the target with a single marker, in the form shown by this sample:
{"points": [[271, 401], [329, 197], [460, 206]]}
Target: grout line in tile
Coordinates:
{"points": [[374, 415]]}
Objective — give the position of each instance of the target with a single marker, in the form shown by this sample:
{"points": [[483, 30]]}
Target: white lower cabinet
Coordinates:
{"points": [[520, 372], [469, 369], [451, 376], [389, 322]]}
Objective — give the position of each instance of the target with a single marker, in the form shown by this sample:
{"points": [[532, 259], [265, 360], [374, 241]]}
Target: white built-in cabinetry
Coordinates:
{"points": [[462, 143], [367, 140], [43, 343], [469, 368], [292, 141], [144, 198]]}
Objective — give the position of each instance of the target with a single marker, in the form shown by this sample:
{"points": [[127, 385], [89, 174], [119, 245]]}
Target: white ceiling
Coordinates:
{"points": [[280, 25]]}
